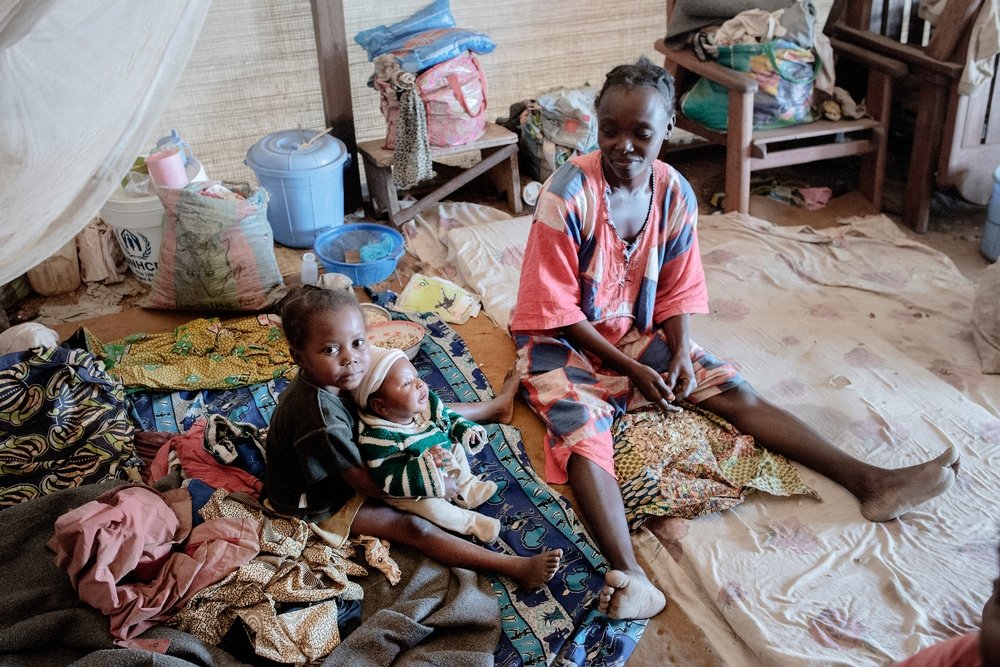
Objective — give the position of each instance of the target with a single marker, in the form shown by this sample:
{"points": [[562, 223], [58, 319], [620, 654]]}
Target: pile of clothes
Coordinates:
{"points": [[707, 25]]}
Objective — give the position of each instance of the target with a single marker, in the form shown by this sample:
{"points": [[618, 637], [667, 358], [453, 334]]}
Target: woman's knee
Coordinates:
{"points": [[734, 402]]}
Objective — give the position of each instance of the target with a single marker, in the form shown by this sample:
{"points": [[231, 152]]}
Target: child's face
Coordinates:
{"points": [[335, 353], [402, 396], [632, 124]]}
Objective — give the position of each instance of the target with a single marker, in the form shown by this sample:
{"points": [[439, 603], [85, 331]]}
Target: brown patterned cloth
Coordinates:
{"points": [[690, 463], [294, 567], [433, 615]]}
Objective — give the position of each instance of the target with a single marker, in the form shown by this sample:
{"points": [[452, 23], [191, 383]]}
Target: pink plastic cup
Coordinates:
{"points": [[166, 168]]}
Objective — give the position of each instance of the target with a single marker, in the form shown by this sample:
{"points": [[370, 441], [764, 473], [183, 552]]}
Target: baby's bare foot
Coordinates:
{"points": [[536, 570], [630, 595], [902, 490]]}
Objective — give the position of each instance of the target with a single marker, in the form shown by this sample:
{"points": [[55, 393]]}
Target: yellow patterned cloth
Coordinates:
{"points": [[202, 354], [690, 463]]}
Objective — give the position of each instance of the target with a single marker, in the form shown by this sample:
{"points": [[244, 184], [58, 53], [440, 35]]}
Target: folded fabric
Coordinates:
{"points": [[63, 424], [689, 15]]}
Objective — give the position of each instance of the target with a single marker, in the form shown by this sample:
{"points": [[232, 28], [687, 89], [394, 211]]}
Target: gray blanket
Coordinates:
{"points": [[436, 615]]}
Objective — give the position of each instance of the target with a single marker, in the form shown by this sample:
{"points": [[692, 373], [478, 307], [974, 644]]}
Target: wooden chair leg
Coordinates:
{"points": [[738, 136], [505, 176], [381, 189], [513, 184], [871, 179], [923, 159]]}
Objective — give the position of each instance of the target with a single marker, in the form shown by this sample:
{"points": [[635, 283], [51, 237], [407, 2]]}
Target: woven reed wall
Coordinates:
{"points": [[254, 70]]}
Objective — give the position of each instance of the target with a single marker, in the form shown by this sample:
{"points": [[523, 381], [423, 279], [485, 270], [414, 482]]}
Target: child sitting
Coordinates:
{"points": [[415, 447], [314, 469]]}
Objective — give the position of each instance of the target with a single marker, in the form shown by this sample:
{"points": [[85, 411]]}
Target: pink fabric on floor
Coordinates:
{"points": [[110, 546]]}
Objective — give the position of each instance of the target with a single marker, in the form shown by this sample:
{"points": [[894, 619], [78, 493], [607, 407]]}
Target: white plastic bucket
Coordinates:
{"points": [[138, 225]]}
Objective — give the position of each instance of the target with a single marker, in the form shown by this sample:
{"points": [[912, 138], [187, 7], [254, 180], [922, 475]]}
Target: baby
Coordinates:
{"points": [[415, 448]]}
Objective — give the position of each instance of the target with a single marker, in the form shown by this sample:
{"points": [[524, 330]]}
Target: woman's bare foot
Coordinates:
{"points": [[630, 595], [901, 490], [534, 571]]}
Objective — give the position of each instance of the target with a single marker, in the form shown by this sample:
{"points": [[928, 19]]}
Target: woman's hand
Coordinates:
{"points": [[653, 386], [680, 374]]}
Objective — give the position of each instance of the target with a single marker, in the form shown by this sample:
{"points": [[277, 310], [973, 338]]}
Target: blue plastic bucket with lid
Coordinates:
{"points": [[990, 244], [305, 181]]}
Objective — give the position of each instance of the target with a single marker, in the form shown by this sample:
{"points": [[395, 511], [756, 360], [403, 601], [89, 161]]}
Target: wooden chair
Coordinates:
{"points": [[748, 150], [956, 137]]}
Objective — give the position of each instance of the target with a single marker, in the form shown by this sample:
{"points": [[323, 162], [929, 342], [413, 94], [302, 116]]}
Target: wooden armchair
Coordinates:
{"points": [[748, 150], [956, 137]]}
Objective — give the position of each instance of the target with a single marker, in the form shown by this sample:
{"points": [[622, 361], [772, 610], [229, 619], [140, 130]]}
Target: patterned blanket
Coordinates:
{"points": [[556, 625], [62, 424]]}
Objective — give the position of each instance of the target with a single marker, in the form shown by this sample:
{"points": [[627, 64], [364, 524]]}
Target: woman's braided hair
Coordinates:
{"points": [[641, 73], [307, 301]]}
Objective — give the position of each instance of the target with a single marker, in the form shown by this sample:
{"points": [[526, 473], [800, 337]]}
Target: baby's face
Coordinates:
{"points": [[335, 354], [403, 395]]}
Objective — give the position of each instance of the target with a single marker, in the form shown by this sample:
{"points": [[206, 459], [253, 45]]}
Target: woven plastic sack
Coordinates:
{"points": [[785, 73], [216, 254], [454, 97]]}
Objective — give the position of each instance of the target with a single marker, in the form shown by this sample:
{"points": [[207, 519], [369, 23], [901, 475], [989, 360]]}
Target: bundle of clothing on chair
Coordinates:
{"points": [[432, 89], [783, 22]]}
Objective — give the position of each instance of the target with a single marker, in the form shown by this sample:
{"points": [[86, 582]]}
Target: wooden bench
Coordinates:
{"points": [[498, 147]]}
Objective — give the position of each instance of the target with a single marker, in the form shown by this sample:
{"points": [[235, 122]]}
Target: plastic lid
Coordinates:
{"points": [[280, 151]]}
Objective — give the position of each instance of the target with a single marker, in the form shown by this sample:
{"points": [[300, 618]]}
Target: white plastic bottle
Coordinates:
{"points": [[310, 269]]}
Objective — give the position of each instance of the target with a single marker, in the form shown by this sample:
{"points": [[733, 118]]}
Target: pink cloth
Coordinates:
{"points": [[119, 552], [962, 651], [198, 462], [814, 199]]}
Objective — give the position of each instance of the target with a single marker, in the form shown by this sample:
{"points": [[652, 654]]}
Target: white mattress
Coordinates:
{"points": [[866, 336]]}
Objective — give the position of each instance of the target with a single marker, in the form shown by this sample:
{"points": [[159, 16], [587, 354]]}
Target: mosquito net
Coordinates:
{"points": [[81, 86]]}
